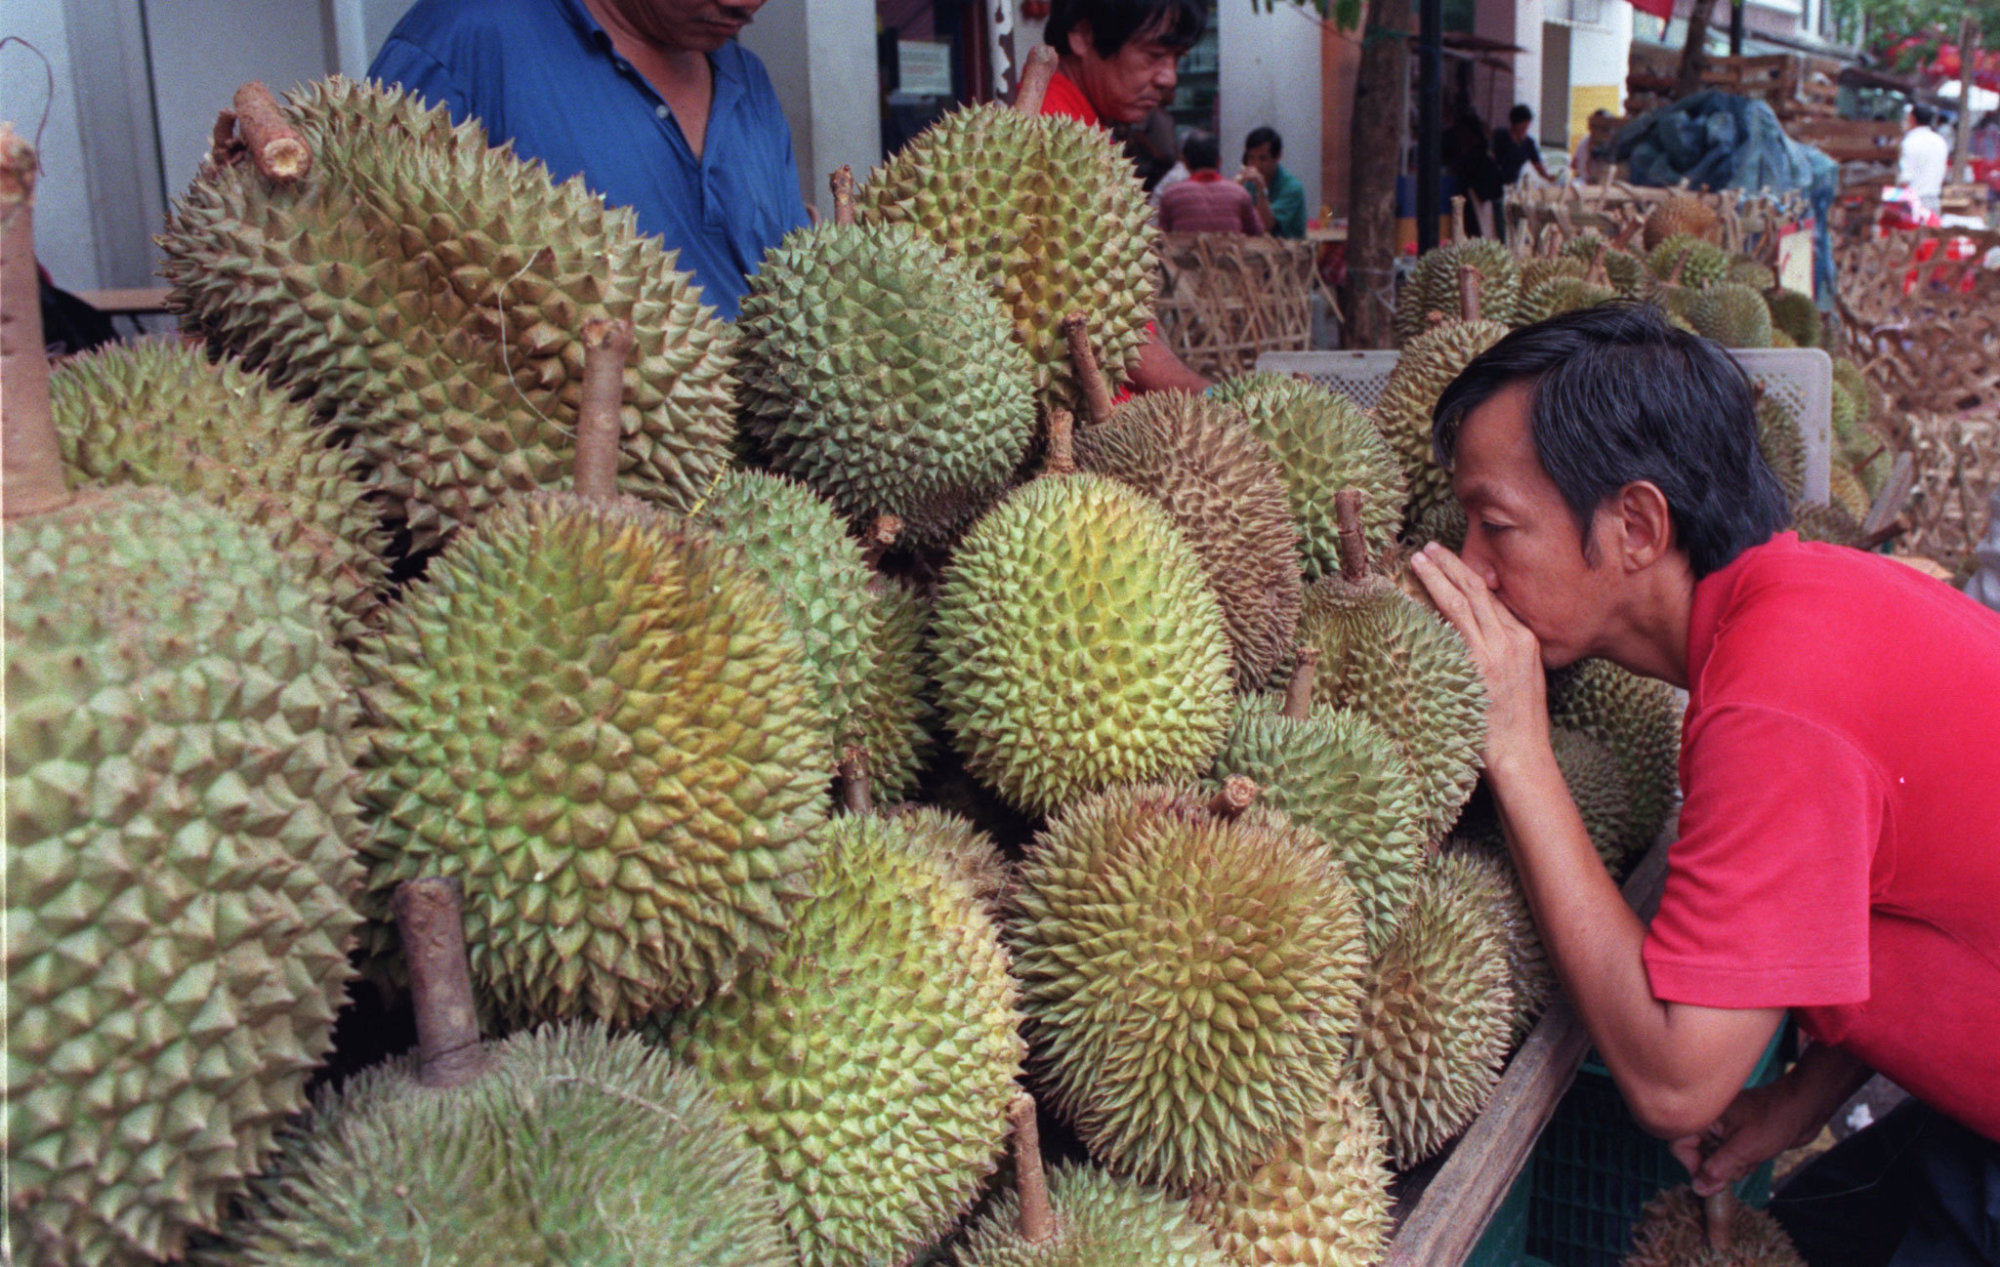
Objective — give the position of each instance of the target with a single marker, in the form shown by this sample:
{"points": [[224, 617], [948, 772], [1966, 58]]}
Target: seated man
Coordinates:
{"points": [[655, 104], [1205, 202], [1839, 846], [1280, 198]]}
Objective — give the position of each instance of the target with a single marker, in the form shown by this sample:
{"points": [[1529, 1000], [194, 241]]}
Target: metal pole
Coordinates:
{"points": [[1430, 119], [1736, 28]]}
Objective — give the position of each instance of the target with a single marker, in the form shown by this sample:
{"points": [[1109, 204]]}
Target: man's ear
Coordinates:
{"points": [[1646, 527], [1079, 39]]}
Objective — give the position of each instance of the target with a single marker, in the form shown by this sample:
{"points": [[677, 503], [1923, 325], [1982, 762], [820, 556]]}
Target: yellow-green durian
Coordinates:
{"points": [[1426, 367], [1433, 287], [1639, 719], [1734, 316], [1673, 1232], [1101, 1221]]}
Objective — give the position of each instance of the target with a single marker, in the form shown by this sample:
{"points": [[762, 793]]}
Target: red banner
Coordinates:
{"points": [[1658, 8]]}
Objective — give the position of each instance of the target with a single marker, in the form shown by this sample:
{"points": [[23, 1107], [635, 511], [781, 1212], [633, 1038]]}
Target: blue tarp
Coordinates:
{"points": [[1717, 141]]}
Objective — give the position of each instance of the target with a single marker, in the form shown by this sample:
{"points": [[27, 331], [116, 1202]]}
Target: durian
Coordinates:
{"points": [[1560, 295], [1672, 1232], [1847, 491], [1100, 1221], [898, 692], [1828, 523], [1688, 261], [1755, 275], [1542, 269], [1434, 285], [1426, 367], [1530, 978], [1596, 783], [1734, 316], [1639, 719], [1796, 315], [1679, 214], [1779, 442]]}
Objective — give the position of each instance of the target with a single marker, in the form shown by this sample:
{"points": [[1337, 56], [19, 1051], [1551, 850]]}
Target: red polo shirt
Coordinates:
{"points": [[1065, 98], [1840, 840]]}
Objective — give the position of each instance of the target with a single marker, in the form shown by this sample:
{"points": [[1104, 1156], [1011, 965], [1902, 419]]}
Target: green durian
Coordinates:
{"points": [[1434, 287], [1101, 1221], [1596, 782], [1828, 523], [1560, 295], [874, 1057], [1745, 271], [1629, 275], [1779, 442], [1323, 442], [1426, 367], [1639, 719], [1542, 269], [1587, 248], [1079, 645], [1207, 469], [609, 731], [1688, 261], [1734, 316], [898, 693], [1673, 1232], [180, 835], [573, 1146], [1190, 978], [1846, 491], [431, 294], [163, 414], [1441, 521], [1796, 315], [878, 370], [1529, 975], [1861, 389]]}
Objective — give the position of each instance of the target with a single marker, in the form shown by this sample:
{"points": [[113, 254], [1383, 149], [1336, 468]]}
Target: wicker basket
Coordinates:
{"points": [[1224, 298]]}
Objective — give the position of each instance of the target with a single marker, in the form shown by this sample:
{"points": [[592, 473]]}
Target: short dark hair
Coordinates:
{"points": [[1521, 114], [1265, 136], [1924, 114], [1618, 395], [1116, 23], [1201, 151]]}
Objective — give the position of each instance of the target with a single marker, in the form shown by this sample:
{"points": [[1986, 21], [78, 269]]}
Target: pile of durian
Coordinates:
{"points": [[1672, 259], [829, 728]]}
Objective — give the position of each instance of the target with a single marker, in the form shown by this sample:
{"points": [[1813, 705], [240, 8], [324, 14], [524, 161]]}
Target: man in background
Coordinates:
{"points": [[652, 102], [1279, 197], [1205, 202], [1514, 149], [1921, 159]]}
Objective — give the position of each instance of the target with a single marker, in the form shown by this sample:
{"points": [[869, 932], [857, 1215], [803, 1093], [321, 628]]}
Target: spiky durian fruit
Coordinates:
{"points": [[163, 414], [1829, 523], [1322, 1200], [873, 1059], [1541, 269], [1434, 286], [1488, 871], [1639, 719], [1079, 645], [1679, 215], [1796, 315], [898, 691], [1426, 367], [1673, 1232], [180, 838], [1341, 775], [1101, 1221], [1215, 479], [1757, 276], [1861, 389], [1046, 214], [879, 370], [572, 1146], [1847, 491], [431, 294], [1587, 248], [1560, 295], [1629, 275], [794, 544], [1441, 521], [1437, 1018], [608, 730], [1779, 441], [1596, 782], [1323, 442], [1190, 978], [1734, 316], [1687, 261]]}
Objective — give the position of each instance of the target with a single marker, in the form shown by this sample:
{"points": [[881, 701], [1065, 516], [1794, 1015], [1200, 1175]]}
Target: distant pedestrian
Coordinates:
{"points": [[1514, 149], [1205, 202], [1922, 157], [1279, 197]]}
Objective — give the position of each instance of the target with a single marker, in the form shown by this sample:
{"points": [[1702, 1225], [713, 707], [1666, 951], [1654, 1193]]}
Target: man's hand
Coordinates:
{"points": [[1508, 655], [1253, 181], [1759, 1123]]}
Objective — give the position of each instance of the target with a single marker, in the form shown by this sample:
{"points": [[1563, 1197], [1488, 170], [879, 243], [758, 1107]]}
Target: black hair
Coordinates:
{"points": [[1201, 151], [1619, 395], [1521, 114], [1265, 136], [1924, 114], [1116, 23]]}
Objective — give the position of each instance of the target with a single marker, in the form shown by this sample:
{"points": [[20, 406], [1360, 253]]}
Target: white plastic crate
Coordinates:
{"points": [[1800, 377]]}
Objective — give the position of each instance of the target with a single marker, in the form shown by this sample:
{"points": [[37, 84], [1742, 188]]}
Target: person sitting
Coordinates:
{"points": [[1280, 198], [655, 105], [1205, 202]]}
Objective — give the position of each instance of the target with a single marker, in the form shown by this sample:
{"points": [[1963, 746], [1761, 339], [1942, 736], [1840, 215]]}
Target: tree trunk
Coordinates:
{"points": [[1968, 49], [1694, 58], [1375, 147]]}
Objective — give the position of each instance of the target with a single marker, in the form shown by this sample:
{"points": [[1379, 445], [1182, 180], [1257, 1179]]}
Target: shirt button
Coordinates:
{"points": [[661, 111]]}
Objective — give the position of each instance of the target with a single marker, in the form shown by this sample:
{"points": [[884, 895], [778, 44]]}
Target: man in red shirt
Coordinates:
{"points": [[1839, 847], [1205, 202], [1116, 60]]}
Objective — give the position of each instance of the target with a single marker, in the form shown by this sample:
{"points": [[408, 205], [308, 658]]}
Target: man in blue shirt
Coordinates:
{"points": [[652, 101]]}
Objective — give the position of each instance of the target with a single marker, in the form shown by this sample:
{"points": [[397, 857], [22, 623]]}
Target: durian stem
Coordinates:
{"points": [[855, 796], [1458, 219], [606, 346], [433, 935], [1468, 292], [1352, 542], [30, 458], [882, 533], [1062, 443], [1299, 690], [1236, 794], [274, 144], [842, 183], [1036, 71], [1089, 374], [1716, 1212], [1038, 1218]]}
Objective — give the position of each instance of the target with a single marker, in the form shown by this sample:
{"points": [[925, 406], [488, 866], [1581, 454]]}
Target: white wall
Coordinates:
{"points": [[821, 57], [65, 240], [1270, 66]]}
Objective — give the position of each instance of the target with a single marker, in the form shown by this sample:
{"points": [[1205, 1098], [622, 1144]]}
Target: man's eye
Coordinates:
{"points": [[1490, 527]]}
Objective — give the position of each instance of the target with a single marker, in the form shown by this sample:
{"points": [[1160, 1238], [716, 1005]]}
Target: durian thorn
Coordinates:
{"points": [[1036, 72], [1352, 542], [855, 796], [1236, 794], [1458, 219], [1038, 1219], [607, 345], [273, 143], [882, 533], [30, 458], [1299, 690], [1089, 374], [842, 183], [432, 930], [1717, 1210], [1061, 458], [1468, 292]]}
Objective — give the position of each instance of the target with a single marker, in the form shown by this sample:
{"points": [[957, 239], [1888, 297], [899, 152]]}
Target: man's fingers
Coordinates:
{"points": [[1479, 605], [1445, 591]]}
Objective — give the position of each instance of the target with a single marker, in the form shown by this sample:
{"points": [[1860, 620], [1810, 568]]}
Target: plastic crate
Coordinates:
{"points": [[1505, 1243], [1595, 1168]]}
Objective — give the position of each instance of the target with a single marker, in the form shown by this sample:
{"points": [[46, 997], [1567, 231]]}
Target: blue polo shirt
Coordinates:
{"points": [[543, 74]]}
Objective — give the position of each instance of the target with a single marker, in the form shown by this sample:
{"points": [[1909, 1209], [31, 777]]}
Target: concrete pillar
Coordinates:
{"points": [[1270, 75], [821, 57]]}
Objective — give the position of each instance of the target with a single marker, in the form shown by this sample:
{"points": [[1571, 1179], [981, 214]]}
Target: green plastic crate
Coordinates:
{"points": [[1505, 1243], [1595, 1168]]}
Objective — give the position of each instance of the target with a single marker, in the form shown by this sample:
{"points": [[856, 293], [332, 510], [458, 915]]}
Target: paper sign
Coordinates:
{"points": [[923, 68], [1795, 260]]}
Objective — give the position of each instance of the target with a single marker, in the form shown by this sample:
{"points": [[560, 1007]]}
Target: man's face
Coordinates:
{"points": [[701, 26], [1125, 87], [1520, 129], [1521, 538], [1265, 163]]}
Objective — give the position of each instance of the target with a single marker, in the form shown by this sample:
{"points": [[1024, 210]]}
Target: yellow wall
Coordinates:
{"points": [[1584, 98]]}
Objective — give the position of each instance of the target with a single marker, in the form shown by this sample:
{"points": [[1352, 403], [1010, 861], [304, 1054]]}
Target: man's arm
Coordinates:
{"points": [[1765, 1121], [1260, 218], [1159, 370]]}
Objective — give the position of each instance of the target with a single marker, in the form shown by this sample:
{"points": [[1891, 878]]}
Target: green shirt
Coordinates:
{"points": [[1288, 205]]}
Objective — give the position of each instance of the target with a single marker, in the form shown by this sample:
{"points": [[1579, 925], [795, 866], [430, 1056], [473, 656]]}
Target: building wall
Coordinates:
{"points": [[821, 58], [1270, 76], [66, 242]]}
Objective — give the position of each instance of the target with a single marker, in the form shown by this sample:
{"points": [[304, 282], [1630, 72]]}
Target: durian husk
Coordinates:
{"points": [[1733, 315], [1596, 783], [1672, 1232], [894, 721], [1434, 286], [1679, 214], [1559, 295], [1101, 1221], [1796, 315], [1689, 260], [1426, 367], [1847, 491], [1829, 523], [1488, 870], [1782, 447], [1639, 719]]}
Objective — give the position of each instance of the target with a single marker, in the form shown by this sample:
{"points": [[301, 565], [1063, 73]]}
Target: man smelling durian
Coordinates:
{"points": [[1839, 845]]}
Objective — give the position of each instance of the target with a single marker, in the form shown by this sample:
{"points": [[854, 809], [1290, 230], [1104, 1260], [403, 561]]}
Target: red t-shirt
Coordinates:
{"points": [[1065, 98], [1206, 203], [1839, 847]]}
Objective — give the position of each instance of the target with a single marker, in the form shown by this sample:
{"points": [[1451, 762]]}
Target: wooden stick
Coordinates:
{"points": [[1458, 219], [1468, 293], [1036, 72], [1299, 690], [1236, 794], [606, 347], [1352, 542], [433, 932], [1038, 1218], [842, 182], [31, 469], [274, 144], [1061, 459], [855, 794], [1089, 374]]}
